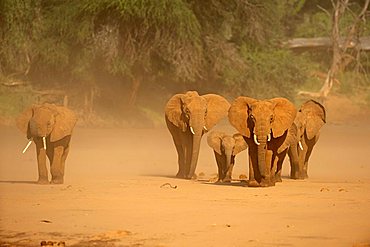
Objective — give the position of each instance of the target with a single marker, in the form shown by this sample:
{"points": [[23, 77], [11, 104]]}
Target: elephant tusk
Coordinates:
{"points": [[255, 140], [300, 145], [205, 128], [28, 145], [192, 130], [44, 142], [269, 137]]}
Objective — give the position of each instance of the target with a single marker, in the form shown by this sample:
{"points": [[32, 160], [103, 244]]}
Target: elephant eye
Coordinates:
{"points": [[187, 113], [271, 119]]}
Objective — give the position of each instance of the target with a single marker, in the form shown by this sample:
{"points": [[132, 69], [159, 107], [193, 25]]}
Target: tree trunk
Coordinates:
{"points": [[136, 82]]}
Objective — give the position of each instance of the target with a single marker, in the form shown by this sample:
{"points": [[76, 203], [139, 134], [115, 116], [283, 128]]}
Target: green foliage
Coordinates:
{"points": [[315, 25], [274, 72], [13, 102], [19, 29], [222, 46]]}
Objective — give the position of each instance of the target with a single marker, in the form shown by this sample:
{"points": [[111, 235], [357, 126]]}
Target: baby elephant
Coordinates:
{"points": [[225, 147]]}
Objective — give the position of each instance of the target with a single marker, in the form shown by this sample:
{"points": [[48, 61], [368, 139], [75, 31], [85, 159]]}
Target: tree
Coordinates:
{"points": [[338, 52]]}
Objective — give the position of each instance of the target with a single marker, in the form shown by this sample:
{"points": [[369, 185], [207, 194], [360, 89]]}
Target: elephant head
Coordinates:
{"points": [[310, 118], [262, 121], [224, 144], [47, 120], [197, 114]]}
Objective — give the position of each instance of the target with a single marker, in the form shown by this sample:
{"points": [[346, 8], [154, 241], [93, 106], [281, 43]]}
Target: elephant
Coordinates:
{"points": [[188, 117], [225, 147], [264, 125], [303, 135], [50, 128]]}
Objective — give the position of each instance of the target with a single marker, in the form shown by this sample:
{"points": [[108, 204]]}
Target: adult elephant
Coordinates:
{"points": [[188, 116], [225, 148], [304, 134], [50, 128], [264, 125]]}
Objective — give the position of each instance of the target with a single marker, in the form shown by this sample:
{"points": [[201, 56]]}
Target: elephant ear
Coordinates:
{"points": [[65, 120], [284, 114], [173, 111], [23, 119], [238, 114], [291, 138], [315, 117], [217, 108], [214, 140], [240, 144]]}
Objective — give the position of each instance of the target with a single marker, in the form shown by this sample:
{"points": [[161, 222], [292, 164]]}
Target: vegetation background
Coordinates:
{"points": [[117, 62]]}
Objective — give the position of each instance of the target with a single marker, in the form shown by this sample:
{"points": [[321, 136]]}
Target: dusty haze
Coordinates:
{"points": [[115, 194]]}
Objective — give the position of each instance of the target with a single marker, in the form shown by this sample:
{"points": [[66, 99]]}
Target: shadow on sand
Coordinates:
{"points": [[17, 182]]}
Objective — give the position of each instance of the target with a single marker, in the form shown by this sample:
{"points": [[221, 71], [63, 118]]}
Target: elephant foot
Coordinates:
{"points": [[180, 175], [253, 183], [194, 177], [57, 181], [267, 182], [294, 176], [278, 179], [43, 181], [302, 176]]}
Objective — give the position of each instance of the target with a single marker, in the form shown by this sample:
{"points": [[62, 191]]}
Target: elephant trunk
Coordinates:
{"points": [[228, 154], [261, 139], [196, 128], [261, 150], [194, 154]]}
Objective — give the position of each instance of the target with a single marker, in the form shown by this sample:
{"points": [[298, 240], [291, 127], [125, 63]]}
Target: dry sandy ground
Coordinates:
{"points": [[112, 195]]}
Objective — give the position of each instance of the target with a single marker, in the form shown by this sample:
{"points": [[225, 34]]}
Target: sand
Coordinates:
{"points": [[120, 190]]}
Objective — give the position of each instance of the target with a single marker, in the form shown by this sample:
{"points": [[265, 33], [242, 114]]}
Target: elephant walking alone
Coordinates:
{"points": [[188, 116], [50, 128]]}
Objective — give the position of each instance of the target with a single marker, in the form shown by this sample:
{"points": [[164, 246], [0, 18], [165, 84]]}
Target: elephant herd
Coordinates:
{"points": [[269, 129]]}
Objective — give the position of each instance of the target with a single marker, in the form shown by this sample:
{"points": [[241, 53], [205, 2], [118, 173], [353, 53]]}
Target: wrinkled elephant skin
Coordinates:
{"points": [[188, 116], [50, 128]]}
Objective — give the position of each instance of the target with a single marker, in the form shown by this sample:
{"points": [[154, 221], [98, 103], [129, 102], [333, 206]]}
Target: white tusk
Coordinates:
{"points": [[28, 145], [205, 128], [255, 140], [269, 137], [44, 142], [192, 131], [300, 145]]}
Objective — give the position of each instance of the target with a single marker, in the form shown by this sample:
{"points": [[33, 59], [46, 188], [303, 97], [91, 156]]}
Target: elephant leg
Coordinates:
{"points": [[294, 161], [302, 157], [63, 160], [56, 165], [310, 146], [279, 165], [177, 139], [269, 179], [180, 160], [220, 166], [229, 171], [41, 162], [253, 166]]}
